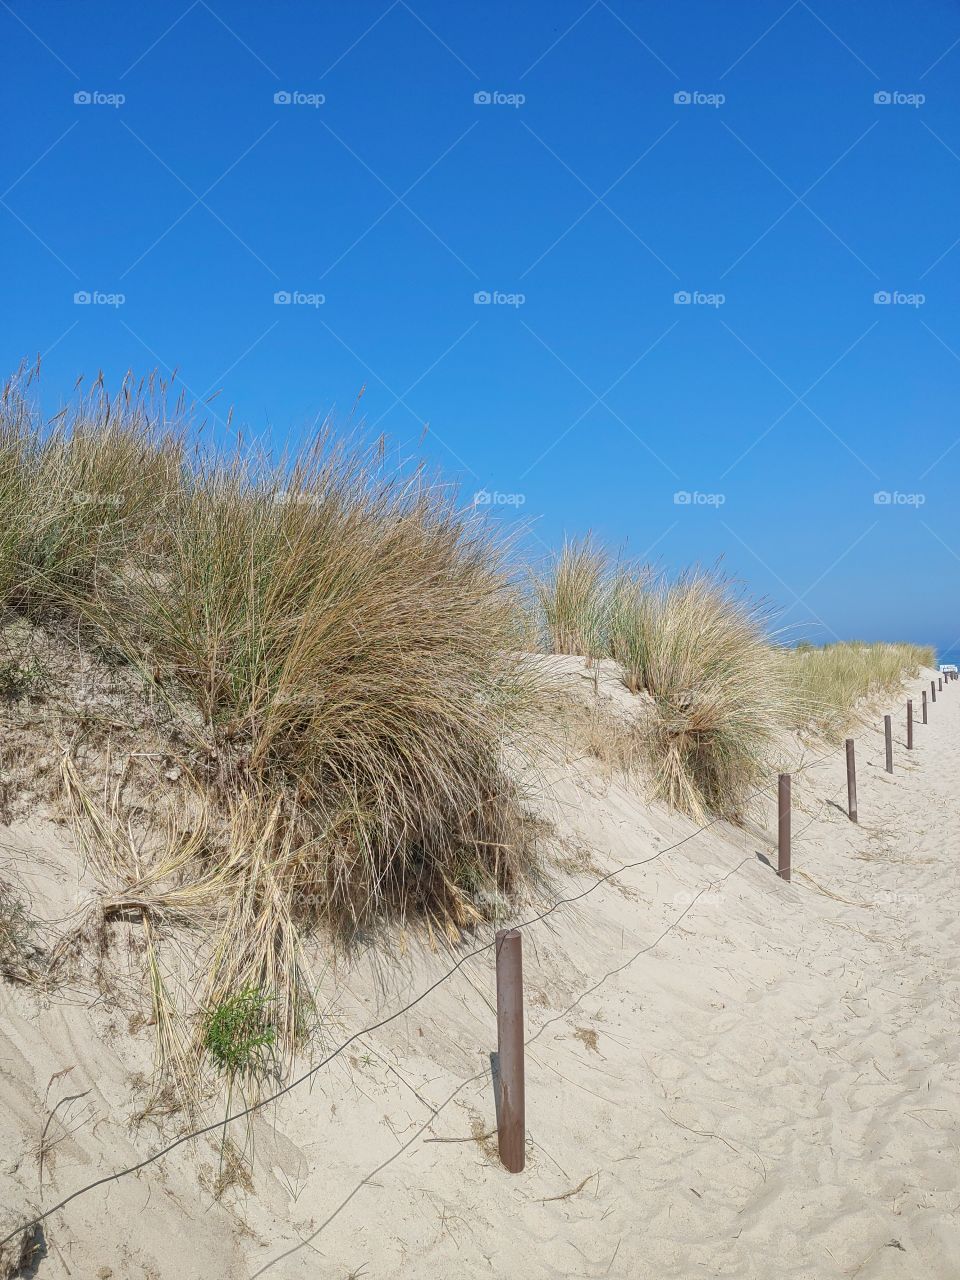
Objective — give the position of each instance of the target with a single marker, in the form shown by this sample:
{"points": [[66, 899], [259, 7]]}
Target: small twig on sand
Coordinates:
{"points": [[573, 1190], [479, 1138], [703, 1133]]}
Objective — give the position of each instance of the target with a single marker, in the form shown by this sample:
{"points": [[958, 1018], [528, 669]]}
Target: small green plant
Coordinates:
{"points": [[18, 952], [239, 1036], [19, 678]]}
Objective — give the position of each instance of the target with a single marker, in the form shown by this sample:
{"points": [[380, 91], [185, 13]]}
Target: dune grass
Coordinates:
{"points": [[721, 689], [332, 643], [574, 599], [78, 493], [715, 685], [345, 640], [702, 653], [835, 681]]}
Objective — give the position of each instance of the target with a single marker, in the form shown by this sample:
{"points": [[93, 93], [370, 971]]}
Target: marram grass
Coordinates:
{"points": [[574, 599], [333, 645], [721, 690], [834, 682], [718, 697]]}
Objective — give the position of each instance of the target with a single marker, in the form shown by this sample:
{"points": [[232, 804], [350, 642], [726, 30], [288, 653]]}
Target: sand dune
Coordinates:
{"points": [[726, 1076]]}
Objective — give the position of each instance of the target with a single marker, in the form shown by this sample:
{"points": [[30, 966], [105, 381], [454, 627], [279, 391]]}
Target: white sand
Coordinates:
{"points": [[768, 1086]]}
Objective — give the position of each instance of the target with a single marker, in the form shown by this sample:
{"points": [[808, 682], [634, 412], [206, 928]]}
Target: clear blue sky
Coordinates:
{"points": [[597, 198]]}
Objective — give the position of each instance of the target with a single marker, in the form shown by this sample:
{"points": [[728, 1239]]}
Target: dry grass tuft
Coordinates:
{"points": [[336, 644], [332, 645], [574, 600], [700, 653], [78, 493], [720, 690], [703, 654]]}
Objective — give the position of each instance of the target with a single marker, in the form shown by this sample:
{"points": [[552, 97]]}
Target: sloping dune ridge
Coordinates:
{"points": [[727, 1075]]}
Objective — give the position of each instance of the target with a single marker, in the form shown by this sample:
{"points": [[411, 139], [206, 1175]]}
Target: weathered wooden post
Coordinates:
{"points": [[851, 781], [511, 1118], [783, 827]]}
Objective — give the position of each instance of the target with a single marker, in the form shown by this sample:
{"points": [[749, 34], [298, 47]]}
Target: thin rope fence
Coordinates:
{"points": [[219, 1126]]}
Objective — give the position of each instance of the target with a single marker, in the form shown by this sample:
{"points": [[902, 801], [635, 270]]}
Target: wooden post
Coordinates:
{"points": [[851, 781], [783, 827], [940, 684], [933, 690], [923, 707], [909, 724], [888, 742], [511, 1120]]}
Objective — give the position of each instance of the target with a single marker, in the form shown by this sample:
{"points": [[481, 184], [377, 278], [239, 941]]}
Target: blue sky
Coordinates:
{"points": [[619, 154]]}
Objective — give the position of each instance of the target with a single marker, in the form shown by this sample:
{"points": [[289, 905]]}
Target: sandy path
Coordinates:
{"points": [[773, 1088], [766, 1086]]}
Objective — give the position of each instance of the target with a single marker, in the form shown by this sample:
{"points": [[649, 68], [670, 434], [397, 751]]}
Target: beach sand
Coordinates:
{"points": [[727, 1075]]}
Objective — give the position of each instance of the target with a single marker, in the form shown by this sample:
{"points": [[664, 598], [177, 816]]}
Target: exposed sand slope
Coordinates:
{"points": [[769, 1085]]}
